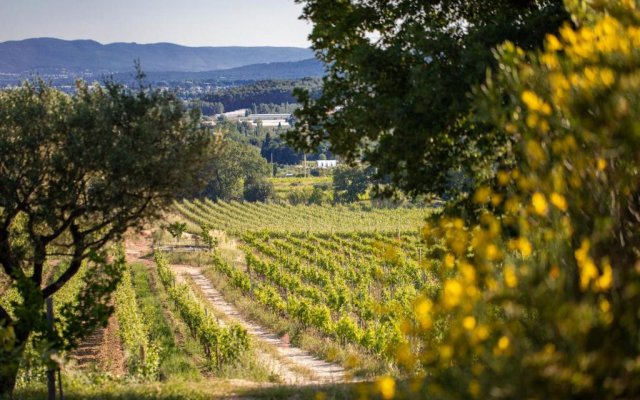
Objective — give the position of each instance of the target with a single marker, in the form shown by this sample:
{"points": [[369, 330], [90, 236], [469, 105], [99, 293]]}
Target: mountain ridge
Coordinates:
{"points": [[20, 56]]}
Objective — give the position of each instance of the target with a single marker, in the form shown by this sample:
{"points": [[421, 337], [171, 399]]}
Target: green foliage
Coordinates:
{"points": [[221, 345], [336, 285], [277, 151], [269, 91], [78, 171], [540, 298], [395, 91], [142, 355], [85, 304], [232, 165], [177, 229], [175, 361], [319, 195], [298, 196], [350, 183], [207, 238], [258, 190], [235, 217]]}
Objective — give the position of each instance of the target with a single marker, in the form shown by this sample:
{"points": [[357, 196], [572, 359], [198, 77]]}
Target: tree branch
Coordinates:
{"points": [[71, 219], [5, 317], [74, 266]]}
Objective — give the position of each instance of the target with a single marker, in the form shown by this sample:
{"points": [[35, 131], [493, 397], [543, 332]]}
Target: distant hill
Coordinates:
{"points": [[276, 70], [48, 55]]}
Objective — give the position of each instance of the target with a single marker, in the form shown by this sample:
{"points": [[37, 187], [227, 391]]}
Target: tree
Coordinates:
{"points": [[318, 195], [349, 183], [77, 172], [177, 229], [540, 298], [258, 190], [396, 89], [231, 165]]}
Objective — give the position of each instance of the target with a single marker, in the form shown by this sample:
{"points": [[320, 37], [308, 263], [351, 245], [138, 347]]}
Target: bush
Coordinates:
{"points": [[540, 298], [258, 190]]}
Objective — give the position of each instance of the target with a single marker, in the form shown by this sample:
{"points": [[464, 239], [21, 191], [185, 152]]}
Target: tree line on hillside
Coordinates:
{"points": [[276, 92]]}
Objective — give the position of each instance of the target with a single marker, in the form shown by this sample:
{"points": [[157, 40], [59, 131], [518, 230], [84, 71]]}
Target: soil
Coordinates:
{"points": [[291, 364], [102, 350]]}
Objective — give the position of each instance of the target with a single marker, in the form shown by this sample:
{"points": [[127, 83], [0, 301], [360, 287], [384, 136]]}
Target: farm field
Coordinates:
{"points": [[341, 280], [284, 186], [290, 299], [236, 217]]}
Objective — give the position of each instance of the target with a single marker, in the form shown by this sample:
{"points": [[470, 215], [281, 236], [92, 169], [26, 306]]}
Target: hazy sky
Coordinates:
{"points": [[186, 22]]}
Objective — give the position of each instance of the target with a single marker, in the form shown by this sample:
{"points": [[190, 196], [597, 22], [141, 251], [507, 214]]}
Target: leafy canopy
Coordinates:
{"points": [[540, 298], [76, 173], [398, 74], [234, 168]]}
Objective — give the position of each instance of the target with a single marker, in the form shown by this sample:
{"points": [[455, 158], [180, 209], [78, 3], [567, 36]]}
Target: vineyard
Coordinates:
{"points": [[236, 218], [349, 275]]}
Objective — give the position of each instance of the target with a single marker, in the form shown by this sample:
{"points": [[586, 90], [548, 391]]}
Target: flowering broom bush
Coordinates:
{"points": [[541, 297]]}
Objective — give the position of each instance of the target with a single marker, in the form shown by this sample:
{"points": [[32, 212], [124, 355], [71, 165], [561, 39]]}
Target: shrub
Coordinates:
{"points": [[540, 297]]}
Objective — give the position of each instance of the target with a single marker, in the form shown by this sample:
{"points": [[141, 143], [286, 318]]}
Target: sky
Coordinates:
{"points": [[185, 22]]}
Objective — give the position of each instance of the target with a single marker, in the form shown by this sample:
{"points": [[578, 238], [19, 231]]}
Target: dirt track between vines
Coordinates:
{"points": [[291, 364]]}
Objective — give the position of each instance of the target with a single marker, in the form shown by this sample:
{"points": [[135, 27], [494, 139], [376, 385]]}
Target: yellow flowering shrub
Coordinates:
{"points": [[541, 297]]}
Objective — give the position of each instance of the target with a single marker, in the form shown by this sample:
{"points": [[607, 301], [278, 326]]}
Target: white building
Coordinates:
{"points": [[327, 163], [271, 123]]}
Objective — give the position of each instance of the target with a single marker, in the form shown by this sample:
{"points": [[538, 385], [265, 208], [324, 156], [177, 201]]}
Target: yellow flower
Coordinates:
{"points": [[386, 385], [523, 246], [469, 323], [535, 103], [503, 178], [452, 293], [482, 332], [510, 278], [605, 280], [491, 252], [601, 164], [474, 388], [607, 77], [553, 44], [423, 313], [550, 61], [482, 195], [503, 343], [449, 260], [588, 272], [539, 203], [468, 273], [446, 352], [558, 201], [604, 306]]}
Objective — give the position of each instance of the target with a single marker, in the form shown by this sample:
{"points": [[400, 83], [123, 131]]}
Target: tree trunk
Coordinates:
{"points": [[9, 364]]}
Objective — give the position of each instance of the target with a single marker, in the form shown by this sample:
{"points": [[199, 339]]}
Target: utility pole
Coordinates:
{"points": [[273, 172], [304, 155], [51, 372]]}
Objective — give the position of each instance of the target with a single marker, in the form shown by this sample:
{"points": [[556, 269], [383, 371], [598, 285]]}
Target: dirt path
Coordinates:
{"points": [[291, 364], [102, 350], [295, 366]]}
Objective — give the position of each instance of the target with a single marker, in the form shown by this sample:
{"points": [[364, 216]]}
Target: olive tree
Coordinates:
{"points": [[76, 172]]}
